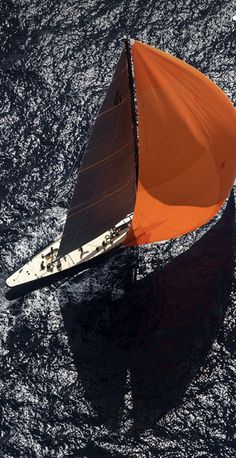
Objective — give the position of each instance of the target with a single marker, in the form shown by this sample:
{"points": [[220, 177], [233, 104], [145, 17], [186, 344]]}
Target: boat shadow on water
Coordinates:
{"points": [[136, 355]]}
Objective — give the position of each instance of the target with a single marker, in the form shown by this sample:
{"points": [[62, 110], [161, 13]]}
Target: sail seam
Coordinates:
{"points": [[106, 158], [112, 108], [100, 200]]}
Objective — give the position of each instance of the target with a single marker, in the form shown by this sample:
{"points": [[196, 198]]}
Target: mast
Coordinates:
{"points": [[127, 43]]}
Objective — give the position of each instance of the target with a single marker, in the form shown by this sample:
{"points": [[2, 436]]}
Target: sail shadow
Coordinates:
{"points": [[148, 345]]}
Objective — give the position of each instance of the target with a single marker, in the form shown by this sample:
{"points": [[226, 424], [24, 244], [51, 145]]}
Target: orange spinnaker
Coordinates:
{"points": [[187, 147]]}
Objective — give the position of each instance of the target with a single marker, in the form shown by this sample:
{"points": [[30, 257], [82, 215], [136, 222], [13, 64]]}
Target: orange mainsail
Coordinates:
{"points": [[187, 147]]}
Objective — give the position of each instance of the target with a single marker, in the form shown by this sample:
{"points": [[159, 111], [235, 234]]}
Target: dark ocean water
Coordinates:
{"points": [[96, 365]]}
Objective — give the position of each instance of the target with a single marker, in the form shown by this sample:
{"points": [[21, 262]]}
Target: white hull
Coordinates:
{"points": [[46, 264]]}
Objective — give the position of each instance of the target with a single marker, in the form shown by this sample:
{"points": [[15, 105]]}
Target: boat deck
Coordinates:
{"points": [[46, 263]]}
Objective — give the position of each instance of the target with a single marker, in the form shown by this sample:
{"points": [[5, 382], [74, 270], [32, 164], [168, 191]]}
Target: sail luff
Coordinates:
{"points": [[127, 43]]}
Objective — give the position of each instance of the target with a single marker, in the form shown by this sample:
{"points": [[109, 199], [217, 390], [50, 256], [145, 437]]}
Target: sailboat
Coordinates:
{"points": [[160, 162]]}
